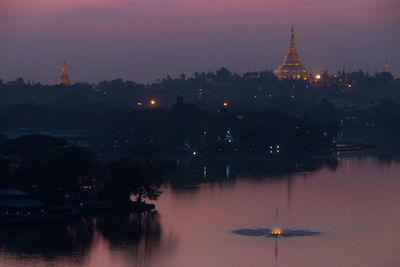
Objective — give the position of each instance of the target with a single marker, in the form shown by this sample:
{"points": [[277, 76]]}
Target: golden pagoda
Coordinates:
{"points": [[64, 79], [386, 66], [291, 68]]}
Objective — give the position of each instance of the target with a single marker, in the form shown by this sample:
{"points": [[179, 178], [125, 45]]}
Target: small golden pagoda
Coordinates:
{"points": [[386, 66], [64, 79], [291, 68]]}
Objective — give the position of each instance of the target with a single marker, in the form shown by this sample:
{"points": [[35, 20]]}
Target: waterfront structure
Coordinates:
{"points": [[15, 201], [64, 78], [291, 67]]}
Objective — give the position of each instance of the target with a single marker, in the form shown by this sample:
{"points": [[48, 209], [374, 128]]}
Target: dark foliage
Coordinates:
{"points": [[129, 177]]}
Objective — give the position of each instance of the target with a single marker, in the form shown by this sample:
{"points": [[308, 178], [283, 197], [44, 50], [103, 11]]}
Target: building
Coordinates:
{"points": [[64, 78], [291, 68]]}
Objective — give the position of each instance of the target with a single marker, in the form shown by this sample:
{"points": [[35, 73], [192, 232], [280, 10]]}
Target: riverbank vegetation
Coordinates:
{"points": [[55, 173]]}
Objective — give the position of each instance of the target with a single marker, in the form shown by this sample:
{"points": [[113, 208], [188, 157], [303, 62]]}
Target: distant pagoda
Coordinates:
{"points": [[64, 79], [291, 68], [386, 66]]}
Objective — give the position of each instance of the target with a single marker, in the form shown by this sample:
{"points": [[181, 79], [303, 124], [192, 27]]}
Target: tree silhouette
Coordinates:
{"points": [[132, 177]]}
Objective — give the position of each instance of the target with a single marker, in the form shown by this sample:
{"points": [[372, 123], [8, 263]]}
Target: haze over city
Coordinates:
{"points": [[147, 40]]}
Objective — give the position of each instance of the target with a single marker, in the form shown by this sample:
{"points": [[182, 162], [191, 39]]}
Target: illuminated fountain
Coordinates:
{"points": [[275, 232]]}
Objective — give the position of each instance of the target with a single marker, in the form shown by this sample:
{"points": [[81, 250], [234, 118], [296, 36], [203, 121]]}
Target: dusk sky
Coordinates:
{"points": [[144, 40]]}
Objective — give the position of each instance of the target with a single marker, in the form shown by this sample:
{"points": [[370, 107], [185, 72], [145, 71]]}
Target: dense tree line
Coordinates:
{"points": [[50, 170], [250, 91]]}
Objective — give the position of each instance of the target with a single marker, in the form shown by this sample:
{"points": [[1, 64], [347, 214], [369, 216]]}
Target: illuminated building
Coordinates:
{"points": [[64, 79], [291, 68]]}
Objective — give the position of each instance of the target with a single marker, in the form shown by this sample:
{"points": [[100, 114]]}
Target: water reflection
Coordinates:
{"points": [[49, 241], [122, 228], [348, 199], [138, 234], [135, 238], [228, 172], [188, 175]]}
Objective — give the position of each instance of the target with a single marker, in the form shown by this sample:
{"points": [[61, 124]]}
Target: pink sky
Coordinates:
{"points": [[145, 40]]}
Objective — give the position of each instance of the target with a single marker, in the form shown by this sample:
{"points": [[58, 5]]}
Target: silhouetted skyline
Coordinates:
{"points": [[144, 41]]}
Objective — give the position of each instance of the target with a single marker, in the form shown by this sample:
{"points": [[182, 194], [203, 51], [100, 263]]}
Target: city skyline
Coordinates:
{"points": [[145, 41]]}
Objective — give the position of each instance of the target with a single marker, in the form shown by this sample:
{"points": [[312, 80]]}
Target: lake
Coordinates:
{"points": [[352, 201]]}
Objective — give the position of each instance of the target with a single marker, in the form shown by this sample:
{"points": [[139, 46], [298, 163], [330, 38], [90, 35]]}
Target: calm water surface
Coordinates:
{"points": [[354, 204]]}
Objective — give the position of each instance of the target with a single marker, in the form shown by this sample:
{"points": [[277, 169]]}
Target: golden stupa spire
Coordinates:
{"points": [[291, 68], [292, 44], [64, 79]]}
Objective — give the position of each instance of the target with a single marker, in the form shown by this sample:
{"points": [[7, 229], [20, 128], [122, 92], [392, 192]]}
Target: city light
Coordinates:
{"points": [[139, 103], [318, 76], [152, 102], [225, 104]]}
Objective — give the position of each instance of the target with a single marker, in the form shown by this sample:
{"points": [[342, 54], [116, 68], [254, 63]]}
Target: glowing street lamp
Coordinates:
{"points": [[225, 104], [152, 102], [317, 76]]}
